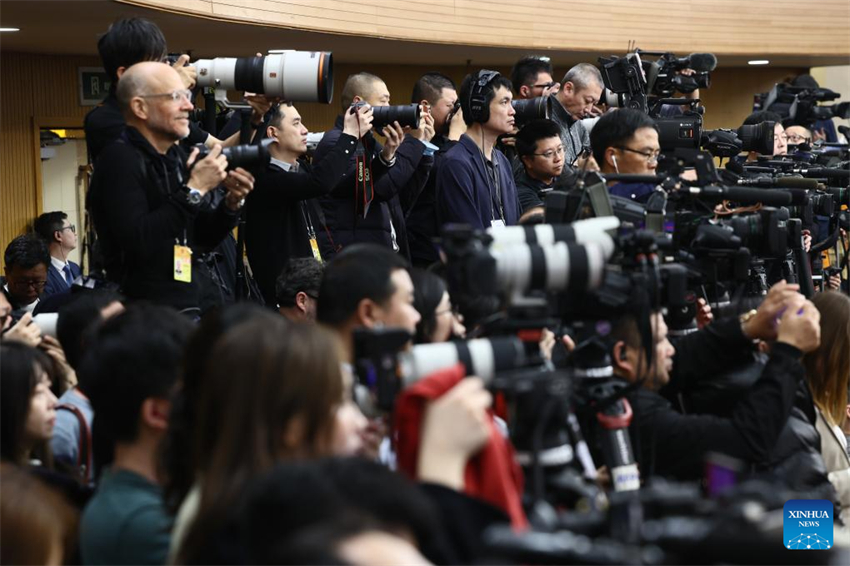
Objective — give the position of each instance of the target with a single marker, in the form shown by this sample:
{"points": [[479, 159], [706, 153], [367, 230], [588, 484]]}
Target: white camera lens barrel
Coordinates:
{"points": [[483, 357], [583, 231], [297, 76], [560, 267]]}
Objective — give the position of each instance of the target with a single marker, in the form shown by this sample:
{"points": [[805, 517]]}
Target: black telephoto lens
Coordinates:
{"points": [[383, 116], [246, 156], [530, 109], [757, 137]]}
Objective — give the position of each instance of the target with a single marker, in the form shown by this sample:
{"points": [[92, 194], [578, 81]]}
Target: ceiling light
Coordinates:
{"points": [[10, 29], [758, 62]]}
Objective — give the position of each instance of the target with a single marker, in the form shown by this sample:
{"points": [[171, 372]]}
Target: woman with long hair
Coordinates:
{"points": [[274, 392], [828, 376]]}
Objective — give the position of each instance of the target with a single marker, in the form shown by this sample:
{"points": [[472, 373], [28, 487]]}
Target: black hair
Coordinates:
{"points": [[301, 274], [279, 113], [134, 356], [533, 132], [430, 87], [615, 129], [26, 251], [18, 366], [806, 81], [77, 317], [428, 290], [358, 84], [48, 224], [526, 70], [762, 116], [178, 465], [361, 271], [489, 94], [127, 42]]}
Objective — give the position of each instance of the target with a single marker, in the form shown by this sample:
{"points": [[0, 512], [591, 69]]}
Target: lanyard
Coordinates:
{"points": [[308, 222], [363, 180]]}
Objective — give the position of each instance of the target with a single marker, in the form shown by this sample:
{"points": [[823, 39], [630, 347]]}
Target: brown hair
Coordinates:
{"points": [[266, 378], [35, 520], [828, 367]]}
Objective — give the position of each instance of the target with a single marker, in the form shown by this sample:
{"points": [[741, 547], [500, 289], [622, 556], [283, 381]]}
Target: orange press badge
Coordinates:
{"points": [[182, 263]]}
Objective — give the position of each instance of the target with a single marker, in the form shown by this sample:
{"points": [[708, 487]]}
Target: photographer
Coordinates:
{"points": [[626, 141], [580, 91], [127, 42], [368, 207], [282, 215], [669, 443], [541, 151], [439, 93], [475, 183], [145, 194], [532, 77]]}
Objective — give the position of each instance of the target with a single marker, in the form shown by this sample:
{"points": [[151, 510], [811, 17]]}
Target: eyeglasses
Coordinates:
{"points": [[174, 95], [797, 138], [559, 151], [650, 157], [782, 137], [70, 227], [550, 84], [37, 284]]}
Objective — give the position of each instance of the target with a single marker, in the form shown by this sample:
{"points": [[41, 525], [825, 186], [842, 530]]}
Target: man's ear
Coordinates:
{"points": [[357, 99], [526, 160], [271, 134], [367, 313], [524, 91], [301, 301], [621, 360], [139, 108], [611, 158], [120, 71], [568, 88], [155, 412], [57, 235]]}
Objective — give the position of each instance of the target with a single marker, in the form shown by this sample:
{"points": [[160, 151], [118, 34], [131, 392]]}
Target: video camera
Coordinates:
{"points": [[801, 105]]}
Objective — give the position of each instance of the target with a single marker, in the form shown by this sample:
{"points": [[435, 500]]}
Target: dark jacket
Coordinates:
{"points": [[340, 207], [138, 203], [669, 443], [574, 135], [56, 282], [283, 207], [465, 190], [530, 191], [422, 224]]}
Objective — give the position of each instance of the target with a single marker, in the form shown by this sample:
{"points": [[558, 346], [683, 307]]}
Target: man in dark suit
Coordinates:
{"points": [[283, 217], [61, 238], [26, 260]]}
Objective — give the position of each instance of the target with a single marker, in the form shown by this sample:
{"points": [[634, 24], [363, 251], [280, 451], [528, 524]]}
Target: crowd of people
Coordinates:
{"points": [[150, 417]]}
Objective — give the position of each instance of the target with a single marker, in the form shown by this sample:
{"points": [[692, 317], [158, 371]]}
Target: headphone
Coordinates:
{"points": [[479, 110], [614, 159]]}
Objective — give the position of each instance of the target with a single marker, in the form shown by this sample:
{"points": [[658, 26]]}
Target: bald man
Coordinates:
{"points": [[150, 202]]}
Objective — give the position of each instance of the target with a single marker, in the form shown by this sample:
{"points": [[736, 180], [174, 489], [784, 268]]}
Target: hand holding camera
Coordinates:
{"points": [[188, 73], [208, 172], [395, 135], [239, 183], [358, 121], [762, 326], [425, 131]]}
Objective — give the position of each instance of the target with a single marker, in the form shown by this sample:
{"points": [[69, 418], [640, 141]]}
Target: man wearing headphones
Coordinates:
{"points": [[475, 184]]}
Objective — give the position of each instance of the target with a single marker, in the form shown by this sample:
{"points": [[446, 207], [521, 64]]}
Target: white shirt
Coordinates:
{"points": [[284, 165]]}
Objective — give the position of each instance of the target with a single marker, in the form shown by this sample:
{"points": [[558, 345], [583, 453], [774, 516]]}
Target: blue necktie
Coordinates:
{"points": [[68, 278]]}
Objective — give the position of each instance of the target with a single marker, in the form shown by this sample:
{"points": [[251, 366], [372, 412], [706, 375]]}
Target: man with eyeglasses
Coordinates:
{"points": [[798, 135], [150, 203], [26, 259], [541, 151], [532, 77], [61, 238], [626, 141]]}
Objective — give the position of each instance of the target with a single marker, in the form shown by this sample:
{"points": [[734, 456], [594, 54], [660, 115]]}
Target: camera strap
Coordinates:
{"points": [[364, 190]]}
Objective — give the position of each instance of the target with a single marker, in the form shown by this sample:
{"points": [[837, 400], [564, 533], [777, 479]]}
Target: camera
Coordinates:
{"points": [[801, 104], [407, 115], [246, 156], [530, 109], [295, 76]]}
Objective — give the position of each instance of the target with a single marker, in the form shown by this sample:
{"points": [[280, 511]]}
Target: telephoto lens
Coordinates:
{"points": [[296, 76], [407, 115], [530, 109], [757, 137], [246, 156]]}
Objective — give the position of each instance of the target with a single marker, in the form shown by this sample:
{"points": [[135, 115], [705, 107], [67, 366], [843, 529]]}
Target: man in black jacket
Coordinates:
{"points": [[371, 210], [283, 217], [669, 443], [145, 195]]}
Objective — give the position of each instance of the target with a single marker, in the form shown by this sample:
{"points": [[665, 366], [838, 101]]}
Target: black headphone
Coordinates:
{"points": [[479, 110]]}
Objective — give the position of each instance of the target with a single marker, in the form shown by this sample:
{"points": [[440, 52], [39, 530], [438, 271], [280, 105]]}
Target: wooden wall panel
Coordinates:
{"points": [[33, 87], [720, 26]]}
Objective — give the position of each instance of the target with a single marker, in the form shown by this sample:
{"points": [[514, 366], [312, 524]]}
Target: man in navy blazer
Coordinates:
{"points": [[61, 238], [475, 183]]}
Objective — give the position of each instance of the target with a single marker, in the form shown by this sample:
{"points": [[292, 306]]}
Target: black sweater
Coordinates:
{"points": [[138, 202], [279, 208]]}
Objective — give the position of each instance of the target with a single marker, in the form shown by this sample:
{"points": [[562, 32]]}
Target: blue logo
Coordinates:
{"points": [[808, 524]]}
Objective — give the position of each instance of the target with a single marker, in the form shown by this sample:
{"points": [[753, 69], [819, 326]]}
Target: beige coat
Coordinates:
{"points": [[833, 447]]}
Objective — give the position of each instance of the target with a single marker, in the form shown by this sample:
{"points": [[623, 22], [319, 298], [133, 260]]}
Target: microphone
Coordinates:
{"points": [[743, 194], [701, 62], [781, 182]]}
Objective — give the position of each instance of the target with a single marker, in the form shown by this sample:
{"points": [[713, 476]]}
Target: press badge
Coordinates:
{"points": [[497, 223], [314, 245], [182, 263]]}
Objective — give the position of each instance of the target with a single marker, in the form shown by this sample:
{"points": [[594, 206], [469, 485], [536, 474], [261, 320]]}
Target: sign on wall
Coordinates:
{"points": [[94, 85]]}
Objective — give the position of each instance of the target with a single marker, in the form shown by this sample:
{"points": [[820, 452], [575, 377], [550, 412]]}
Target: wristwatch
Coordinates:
{"points": [[194, 196]]}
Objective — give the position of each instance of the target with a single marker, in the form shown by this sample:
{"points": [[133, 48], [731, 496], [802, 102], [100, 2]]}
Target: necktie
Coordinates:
{"points": [[67, 271]]}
